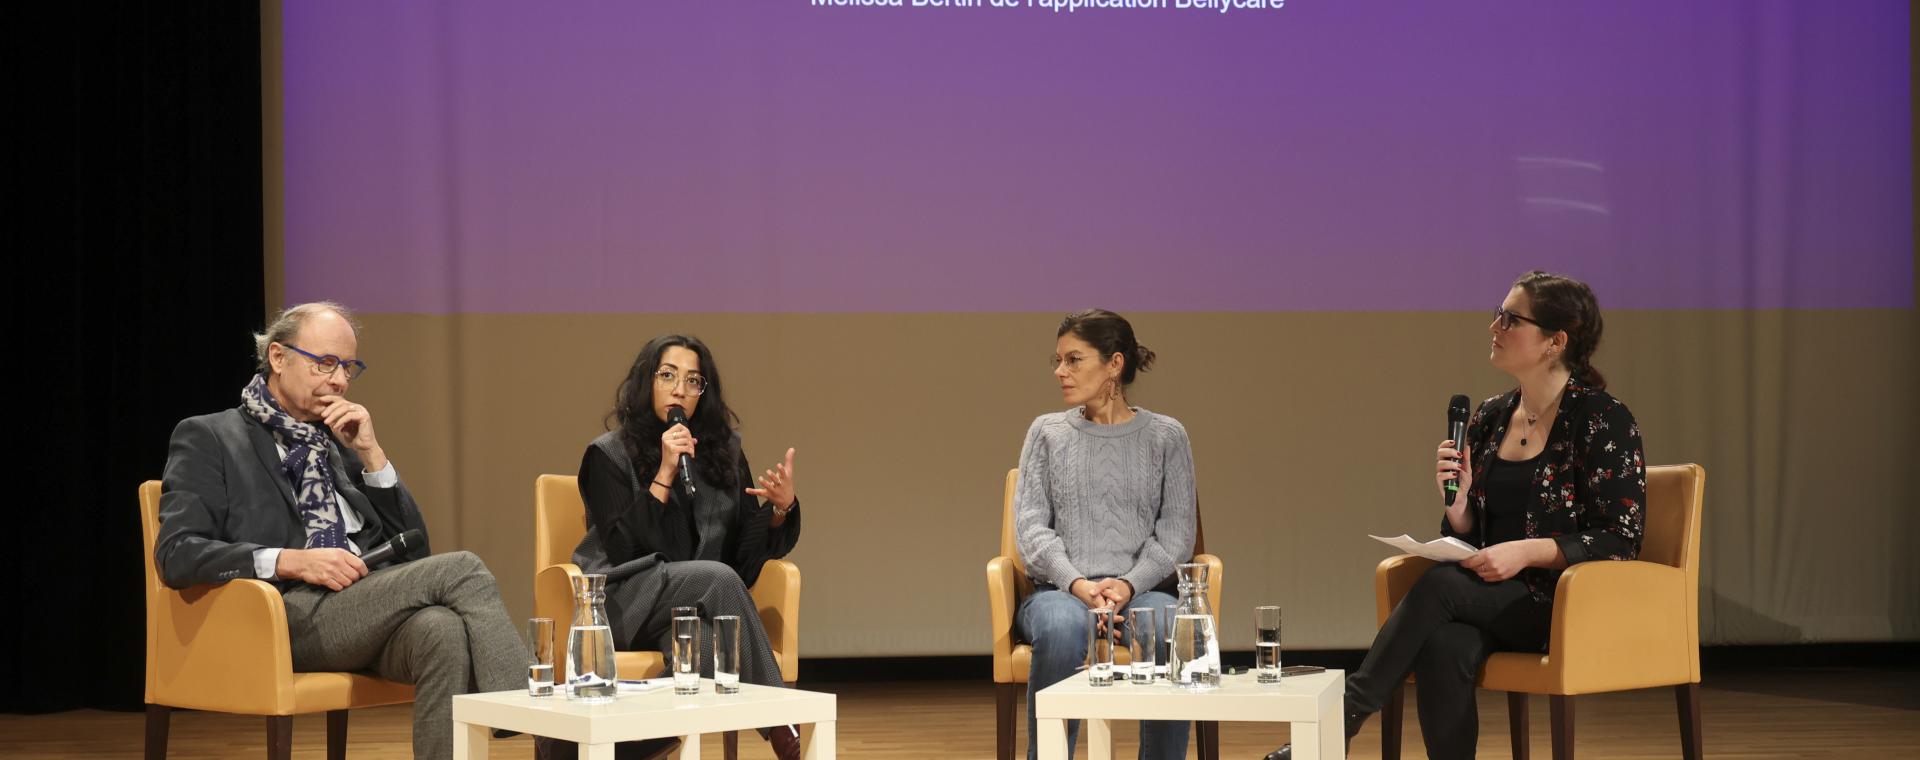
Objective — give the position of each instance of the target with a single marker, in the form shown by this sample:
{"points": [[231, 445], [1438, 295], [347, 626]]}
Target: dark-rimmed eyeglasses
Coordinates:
{"points": [[327, 364], [1504, 319]]}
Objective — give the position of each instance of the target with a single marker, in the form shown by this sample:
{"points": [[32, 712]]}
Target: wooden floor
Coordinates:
{"points": [[1786, 713]]}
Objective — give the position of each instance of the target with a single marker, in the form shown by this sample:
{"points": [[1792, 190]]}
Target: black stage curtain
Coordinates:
{"points": [[137, 276]]}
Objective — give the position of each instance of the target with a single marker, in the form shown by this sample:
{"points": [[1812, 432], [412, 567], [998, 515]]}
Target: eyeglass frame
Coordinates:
{"points": [[354, 367], [1505, 319], [660, 381]]}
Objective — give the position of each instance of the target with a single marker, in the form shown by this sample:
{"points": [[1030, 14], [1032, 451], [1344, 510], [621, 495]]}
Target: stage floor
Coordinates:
{"points": [[1749, 713]]}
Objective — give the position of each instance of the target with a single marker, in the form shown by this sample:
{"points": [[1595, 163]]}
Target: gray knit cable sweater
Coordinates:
{"points": [[1101, 501]]}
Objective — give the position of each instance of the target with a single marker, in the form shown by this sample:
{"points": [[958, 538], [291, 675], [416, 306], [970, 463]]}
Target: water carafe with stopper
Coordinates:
{"points": [[591, 676], [1193, 660]]}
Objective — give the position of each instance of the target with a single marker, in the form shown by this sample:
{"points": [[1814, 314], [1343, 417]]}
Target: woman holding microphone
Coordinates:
{"points": [[1557, 469], [659, 545]]}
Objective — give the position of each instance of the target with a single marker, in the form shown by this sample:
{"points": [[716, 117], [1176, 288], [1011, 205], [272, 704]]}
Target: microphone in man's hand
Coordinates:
{"points": [[678, 416], [1457, 411], [399, 546]]}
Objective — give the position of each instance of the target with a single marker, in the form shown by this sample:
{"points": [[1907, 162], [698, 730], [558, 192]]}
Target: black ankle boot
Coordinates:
{"points": [[1354, 720]]}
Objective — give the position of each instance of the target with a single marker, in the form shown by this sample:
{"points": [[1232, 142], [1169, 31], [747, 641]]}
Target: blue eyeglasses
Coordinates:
{"points": [[328, 364]]}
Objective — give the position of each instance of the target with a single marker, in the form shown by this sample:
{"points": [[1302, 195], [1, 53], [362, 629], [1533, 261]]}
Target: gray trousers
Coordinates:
{"points": [[716, 589], [436, 623]]}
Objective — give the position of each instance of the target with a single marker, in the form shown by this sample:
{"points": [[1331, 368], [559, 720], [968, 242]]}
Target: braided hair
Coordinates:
{"points": [[1566, 304]]}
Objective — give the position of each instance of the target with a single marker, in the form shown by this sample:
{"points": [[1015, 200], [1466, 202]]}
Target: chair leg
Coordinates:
{"points": [[1390, 714], [730, 745], [1561, 708], [1688, 697], [157, 722], [1006, 702], [1209, 731], [1517, 725], [279, 737], [336, 735]]}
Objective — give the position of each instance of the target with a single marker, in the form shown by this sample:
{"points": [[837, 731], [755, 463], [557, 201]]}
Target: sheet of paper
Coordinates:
{"points": [[1446, 549]]}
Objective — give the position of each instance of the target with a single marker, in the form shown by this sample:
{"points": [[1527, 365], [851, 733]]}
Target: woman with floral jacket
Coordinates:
{"points": [[1553, 473]]}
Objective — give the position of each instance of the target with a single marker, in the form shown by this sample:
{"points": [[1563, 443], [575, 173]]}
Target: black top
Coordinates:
{"points": [[1589, 489], [725, 526], [1507, 486]]}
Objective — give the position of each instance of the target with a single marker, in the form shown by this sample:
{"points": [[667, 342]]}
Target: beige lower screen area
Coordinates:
{"points": [[1310, 430]]}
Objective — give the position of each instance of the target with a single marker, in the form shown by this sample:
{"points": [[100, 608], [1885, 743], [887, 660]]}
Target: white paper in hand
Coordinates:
{"points": [[1447, 549]]}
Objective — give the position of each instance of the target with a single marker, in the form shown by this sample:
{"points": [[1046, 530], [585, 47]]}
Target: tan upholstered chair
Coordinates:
{"points": [[224, 648], [560, 521], [1616, 625], [1008, 584]]}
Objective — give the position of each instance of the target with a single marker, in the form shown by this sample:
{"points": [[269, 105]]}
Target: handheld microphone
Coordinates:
{"points": [[398, 546], [678, 416], [1457, 411]]}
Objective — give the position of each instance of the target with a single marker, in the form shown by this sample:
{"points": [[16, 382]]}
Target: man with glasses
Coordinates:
{"points": [[292, 487]]}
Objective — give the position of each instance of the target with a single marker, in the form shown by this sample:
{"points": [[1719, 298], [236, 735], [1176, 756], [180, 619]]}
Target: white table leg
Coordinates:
{"points": [[1053, 738], [1333, 738], [816, 741], [1099, 739], [689, 748], [470, 741], [602, 751], [1305, 738]]}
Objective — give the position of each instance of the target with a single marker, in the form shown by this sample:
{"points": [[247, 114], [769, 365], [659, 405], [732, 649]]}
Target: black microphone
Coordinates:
{"points": [[398, 546], [678, 416], [1457, 411]]}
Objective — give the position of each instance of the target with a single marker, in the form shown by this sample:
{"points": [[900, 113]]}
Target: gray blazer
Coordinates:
{"points": [[224, 495]]}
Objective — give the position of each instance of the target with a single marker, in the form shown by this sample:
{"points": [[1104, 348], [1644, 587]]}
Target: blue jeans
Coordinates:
{"points": [[1056, 622]]}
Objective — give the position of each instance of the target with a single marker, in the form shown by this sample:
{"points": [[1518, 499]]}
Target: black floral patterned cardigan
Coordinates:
{"points": [[1589, 486]]}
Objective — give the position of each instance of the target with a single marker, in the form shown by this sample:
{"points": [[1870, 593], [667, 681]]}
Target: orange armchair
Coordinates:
{"points": [[225, 648], [1008, 585], [1616, 625]]}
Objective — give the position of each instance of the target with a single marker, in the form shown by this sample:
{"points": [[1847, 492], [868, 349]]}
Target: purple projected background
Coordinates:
{"points": [[700, 155]]}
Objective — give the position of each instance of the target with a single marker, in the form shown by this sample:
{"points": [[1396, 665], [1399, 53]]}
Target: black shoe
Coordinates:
{"points": [[785, 741], [1354, 720]]}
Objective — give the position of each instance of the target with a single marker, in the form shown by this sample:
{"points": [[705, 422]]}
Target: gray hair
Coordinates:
{"points": [[287, 324]]}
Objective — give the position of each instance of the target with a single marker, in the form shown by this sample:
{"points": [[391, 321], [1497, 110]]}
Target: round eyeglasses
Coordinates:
{"points": [[667, 379]]}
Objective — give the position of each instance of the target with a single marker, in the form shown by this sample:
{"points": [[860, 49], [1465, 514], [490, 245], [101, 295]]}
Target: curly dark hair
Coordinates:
{"points": [[712, 422], [1564, 303]]}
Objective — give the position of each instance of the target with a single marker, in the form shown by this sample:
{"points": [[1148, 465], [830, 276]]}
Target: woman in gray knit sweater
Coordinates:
{"points": [[1103, 511]]}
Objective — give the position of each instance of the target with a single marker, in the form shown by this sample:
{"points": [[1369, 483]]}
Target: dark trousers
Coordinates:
{"points": [[1442, 632]]}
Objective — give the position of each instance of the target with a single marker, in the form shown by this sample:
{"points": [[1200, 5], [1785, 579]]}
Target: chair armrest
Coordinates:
{"points": [[1622, 625], [1392, 579], [776, 594], [553, 598], [1003, 599], [1216, 582], [223, 648]]}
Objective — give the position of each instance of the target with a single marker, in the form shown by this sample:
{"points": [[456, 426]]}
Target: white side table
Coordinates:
{"points": [[651, 715], [1311, 703]]}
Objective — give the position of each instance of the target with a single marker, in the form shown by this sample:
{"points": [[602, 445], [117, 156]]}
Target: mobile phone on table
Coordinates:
{"points": [[1301, 670]]}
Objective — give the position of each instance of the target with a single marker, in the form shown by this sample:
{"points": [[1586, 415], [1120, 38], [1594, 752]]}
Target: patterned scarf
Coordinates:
{"points": [[306, 466]]}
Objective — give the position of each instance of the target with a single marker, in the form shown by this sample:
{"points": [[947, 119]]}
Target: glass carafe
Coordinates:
{"points": [[591, 676], [1193, 661]]}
